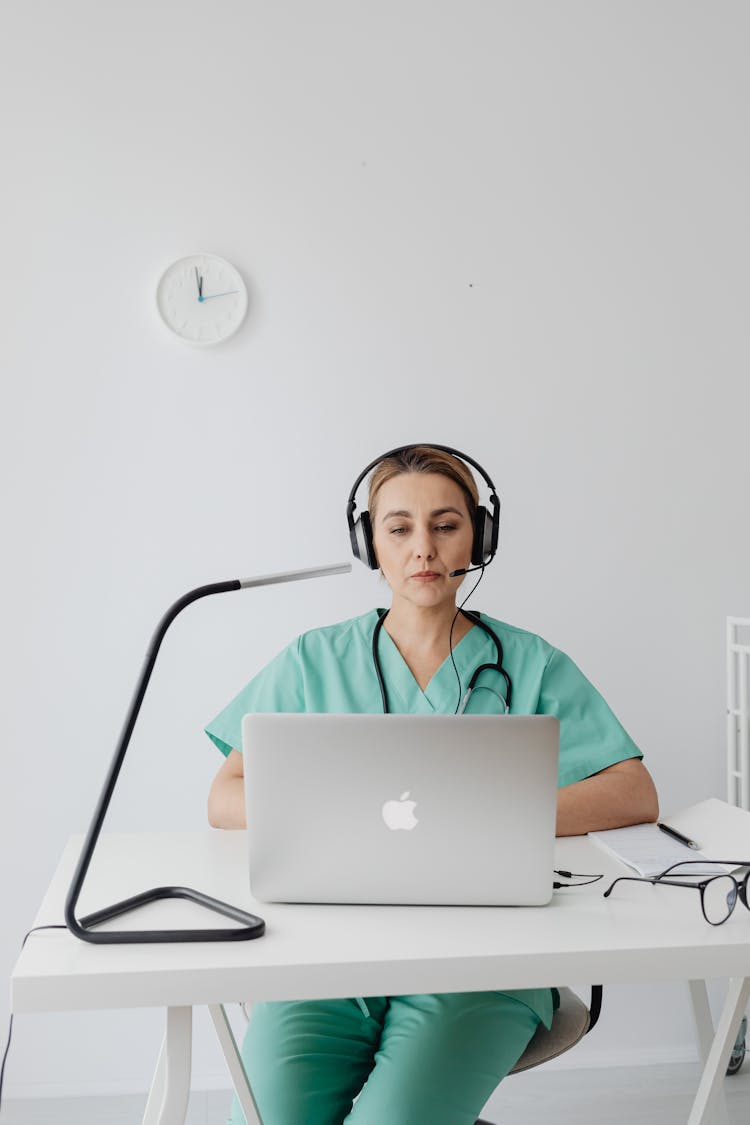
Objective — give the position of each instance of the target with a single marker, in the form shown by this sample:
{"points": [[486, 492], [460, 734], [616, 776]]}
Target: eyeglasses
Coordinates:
{"points": [[719, 893]]}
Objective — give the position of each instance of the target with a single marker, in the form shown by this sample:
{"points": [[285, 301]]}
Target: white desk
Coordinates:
{"points": [[639, 934]]}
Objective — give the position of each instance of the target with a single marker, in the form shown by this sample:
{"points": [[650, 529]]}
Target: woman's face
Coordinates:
{"points": [[421, 532]]}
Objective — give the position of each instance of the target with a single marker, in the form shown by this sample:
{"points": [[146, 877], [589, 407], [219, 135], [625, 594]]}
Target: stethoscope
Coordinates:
{"points": [[496, 666]]}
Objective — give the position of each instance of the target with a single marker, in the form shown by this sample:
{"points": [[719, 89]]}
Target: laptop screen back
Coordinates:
{"points": [[409, 809]]}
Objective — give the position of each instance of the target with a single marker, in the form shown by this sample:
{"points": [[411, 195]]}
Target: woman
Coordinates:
{"points": [[435, 1058]]}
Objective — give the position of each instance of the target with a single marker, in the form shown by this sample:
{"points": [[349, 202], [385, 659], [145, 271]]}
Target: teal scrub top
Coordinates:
{"points": [[331, 670]]}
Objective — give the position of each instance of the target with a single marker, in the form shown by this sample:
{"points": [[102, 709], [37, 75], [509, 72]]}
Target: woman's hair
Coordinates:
{"points": [[424, 459]]}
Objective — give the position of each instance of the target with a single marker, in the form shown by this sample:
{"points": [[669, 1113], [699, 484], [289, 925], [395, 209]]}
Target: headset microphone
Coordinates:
{"points": [[466, 570]]}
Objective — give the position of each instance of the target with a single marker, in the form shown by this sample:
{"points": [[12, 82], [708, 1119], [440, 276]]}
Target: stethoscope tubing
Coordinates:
{"points": [[496, 667]]}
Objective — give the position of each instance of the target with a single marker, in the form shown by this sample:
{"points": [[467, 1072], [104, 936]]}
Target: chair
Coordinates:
{"points": [[570, 1022]]}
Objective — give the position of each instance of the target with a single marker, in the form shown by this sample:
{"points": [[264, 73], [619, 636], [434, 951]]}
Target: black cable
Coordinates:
{"points": [[5, 1056], [575, 875], [450, 636], [10, 1022]]}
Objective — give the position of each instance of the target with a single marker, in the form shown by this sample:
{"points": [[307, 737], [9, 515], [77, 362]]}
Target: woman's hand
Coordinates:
{"points": [[619, 795], [226, 797]]}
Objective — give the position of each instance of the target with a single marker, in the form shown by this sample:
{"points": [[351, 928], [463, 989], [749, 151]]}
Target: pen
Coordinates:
{"points": [[678, 836]]}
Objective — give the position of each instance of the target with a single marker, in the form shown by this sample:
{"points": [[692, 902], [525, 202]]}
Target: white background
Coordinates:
{"points": [[516, 228]]}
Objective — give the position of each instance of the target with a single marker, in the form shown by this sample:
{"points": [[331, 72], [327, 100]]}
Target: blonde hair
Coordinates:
{"points": [[424, 459]]}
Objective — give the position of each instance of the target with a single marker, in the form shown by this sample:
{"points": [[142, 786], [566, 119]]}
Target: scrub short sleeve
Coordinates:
{"points": [[591, 737], [277, 687]]}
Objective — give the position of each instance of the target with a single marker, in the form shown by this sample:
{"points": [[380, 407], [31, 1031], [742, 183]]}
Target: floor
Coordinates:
{"points": [[653, 1095], [658, 1095]]}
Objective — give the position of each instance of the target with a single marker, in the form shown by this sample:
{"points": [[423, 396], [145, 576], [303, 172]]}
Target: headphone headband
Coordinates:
{"points": [[411, 445], [486, 523]]}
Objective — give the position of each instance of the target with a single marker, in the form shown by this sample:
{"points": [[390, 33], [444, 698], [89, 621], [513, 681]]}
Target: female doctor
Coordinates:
{"points": [[420, 1058]]}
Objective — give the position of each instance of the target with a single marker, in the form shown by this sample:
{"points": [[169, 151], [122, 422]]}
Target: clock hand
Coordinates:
{"points": [[211, 296], [199, 281]]}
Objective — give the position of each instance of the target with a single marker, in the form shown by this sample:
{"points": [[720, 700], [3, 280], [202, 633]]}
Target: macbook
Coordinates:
{"points": [[401, 809]]}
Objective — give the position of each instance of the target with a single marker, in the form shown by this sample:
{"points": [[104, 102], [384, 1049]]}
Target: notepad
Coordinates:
{"points": [[721, 831], [644, 848]]}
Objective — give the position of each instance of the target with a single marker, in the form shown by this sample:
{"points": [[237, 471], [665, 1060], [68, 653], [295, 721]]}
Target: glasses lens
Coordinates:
{"points": [[719, 897]]}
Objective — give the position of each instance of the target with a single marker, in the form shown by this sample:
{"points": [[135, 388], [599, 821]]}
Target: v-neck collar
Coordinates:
{"points": [[441, 692]]}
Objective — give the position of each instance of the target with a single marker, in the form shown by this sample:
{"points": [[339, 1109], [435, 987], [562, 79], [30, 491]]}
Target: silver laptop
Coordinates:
{"points": [[410, 809]]}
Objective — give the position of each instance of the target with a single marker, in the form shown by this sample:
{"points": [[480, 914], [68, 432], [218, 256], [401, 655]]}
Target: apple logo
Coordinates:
{"points": [[400, 814]]}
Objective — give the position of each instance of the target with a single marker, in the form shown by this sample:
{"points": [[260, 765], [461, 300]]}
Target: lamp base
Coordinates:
{"points": [[253, 926]]}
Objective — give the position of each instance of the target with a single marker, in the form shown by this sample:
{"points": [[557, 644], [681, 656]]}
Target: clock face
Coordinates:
{"points": [[202, 299]]}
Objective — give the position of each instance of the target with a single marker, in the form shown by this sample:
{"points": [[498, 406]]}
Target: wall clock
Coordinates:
{"points": [[202, 299]]}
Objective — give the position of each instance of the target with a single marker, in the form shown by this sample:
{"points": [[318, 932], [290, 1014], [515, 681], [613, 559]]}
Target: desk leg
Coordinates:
{"points": [[704, 1030], [234, 1062], [170, 1089], [156, 1093], [721, 1048]]}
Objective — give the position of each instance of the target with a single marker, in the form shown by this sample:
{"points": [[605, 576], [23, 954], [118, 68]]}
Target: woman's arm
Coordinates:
{"points": [[616, 796], [226, 797], [621, 794]]}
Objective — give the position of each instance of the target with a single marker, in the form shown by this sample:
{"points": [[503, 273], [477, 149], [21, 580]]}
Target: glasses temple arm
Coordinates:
{"points": [[653, 879]]}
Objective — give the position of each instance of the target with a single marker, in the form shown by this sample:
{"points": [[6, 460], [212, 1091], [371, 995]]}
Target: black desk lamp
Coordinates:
{"points": [[82, 928]]}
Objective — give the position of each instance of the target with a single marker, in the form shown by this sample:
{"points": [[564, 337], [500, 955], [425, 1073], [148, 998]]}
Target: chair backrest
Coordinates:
{"points": [[570, 1023]]}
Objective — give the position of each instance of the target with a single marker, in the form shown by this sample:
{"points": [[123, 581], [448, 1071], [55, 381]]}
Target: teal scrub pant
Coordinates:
{"points": [[412, 1059]]}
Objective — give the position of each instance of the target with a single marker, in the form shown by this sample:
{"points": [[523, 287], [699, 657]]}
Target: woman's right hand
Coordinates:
{"points": [[226, 797]]}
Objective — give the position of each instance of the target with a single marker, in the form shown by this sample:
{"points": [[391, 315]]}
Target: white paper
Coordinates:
{"points": [[647, 849]]}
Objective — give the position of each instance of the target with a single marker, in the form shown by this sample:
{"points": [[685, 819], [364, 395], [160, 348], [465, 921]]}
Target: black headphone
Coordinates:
{"points": [[486, 521]]}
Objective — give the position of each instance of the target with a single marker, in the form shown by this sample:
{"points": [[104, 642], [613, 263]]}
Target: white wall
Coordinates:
{"points": [[518, 228]]}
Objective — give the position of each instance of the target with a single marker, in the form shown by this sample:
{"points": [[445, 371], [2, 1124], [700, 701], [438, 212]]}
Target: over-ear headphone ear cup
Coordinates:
{"points": [[486, 533], [478, 547], [494, 521], [367, 547]]}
